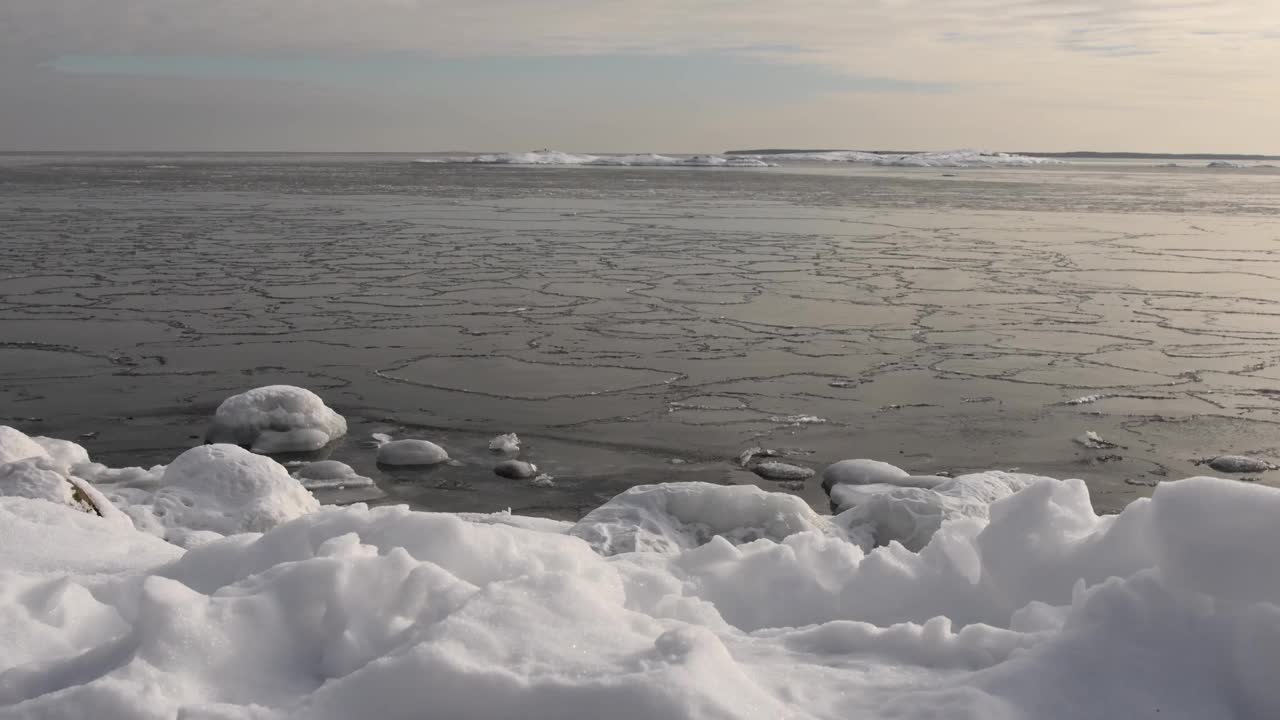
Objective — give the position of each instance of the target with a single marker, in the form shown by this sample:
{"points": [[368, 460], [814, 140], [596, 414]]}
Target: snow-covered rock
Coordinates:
{"points": [[330, 474], [671, 517], [411, 452], [226, 489], [515, 469], [506, 443], [276, 419]]}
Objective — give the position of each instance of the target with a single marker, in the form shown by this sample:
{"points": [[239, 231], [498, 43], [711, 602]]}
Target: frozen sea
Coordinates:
{"points": [[621, 319]]}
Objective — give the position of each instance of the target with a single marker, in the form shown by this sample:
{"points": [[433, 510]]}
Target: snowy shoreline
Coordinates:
{"points": [[217, 587]]}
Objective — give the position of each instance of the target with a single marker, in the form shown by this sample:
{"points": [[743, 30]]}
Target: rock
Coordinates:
{"points": [[1239, 464], [773, 470]]}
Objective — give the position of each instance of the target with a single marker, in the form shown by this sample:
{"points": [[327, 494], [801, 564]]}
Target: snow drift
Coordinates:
{"points": [[675, 601]]}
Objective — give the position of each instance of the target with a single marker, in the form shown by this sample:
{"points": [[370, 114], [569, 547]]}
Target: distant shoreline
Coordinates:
{"points": [[1072, 154]]}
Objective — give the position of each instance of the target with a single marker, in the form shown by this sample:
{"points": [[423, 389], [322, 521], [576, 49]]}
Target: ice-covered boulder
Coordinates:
{"points": [[671, 517], [37, 478], [411, 452], [227, 489], [276, 419], [861, 472]]}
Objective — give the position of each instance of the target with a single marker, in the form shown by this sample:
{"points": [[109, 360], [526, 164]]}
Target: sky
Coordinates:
{"points": [[640, 75]]}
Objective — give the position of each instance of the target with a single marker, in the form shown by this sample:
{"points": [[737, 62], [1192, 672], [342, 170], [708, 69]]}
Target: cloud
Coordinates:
{"points": [[1144, 58]]}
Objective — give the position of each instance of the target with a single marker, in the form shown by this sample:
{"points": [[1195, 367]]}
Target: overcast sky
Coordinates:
{"points": [[640, 75]]}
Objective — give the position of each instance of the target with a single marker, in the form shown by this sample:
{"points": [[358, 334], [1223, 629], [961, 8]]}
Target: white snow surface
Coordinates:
{"points": [[683, 601], [556, 157], [946, 158], [277, 419]]}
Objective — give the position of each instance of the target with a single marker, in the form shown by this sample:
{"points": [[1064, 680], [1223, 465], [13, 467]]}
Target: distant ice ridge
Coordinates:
{"points": [[948, 158], [555, 157], [684, 601]]}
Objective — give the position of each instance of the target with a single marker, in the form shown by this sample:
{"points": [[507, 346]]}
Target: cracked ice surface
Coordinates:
{"points": [[617, 317]]}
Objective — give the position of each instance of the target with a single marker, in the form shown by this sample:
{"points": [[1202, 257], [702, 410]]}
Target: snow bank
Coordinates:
{"points": [[1044, 610], [948, 158], [276, 419], [677, 601], [555, 157]]}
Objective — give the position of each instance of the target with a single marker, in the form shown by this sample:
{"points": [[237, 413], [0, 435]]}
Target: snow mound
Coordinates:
{"points": [[226, 489], [1039, 610], [16, 445], [330, 475], [671, 517], [411, 452], [276, 419], [555, 157]]}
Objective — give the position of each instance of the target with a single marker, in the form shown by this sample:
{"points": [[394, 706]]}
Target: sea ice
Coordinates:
{"points": [[555, 157], [276, 419], [947, 158]]}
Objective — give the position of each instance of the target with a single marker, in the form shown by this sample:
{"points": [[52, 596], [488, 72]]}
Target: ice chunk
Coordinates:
{"points": [[507, 443], [276, 419], [674, 516], [330, 474], [411, 452], [1094, 441]]}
